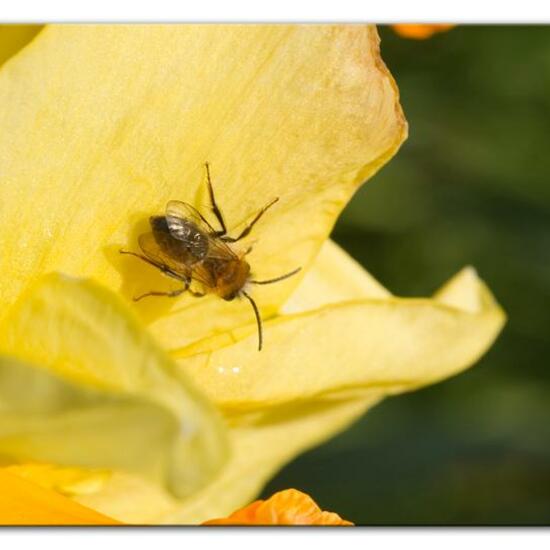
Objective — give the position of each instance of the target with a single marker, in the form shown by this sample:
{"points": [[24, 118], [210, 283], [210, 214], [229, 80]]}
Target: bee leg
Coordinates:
{"points": [[215, 209], [161, 267], [171, 294], [246, 231], [140, 256], [187, 282], [196, 294]]}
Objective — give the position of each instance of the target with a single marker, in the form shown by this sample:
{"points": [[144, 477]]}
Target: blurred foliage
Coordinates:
{"points": [[470, 186]]}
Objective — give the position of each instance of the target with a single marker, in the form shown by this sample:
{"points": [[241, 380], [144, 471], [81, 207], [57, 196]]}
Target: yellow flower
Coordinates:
{"points": [[105, 124]]}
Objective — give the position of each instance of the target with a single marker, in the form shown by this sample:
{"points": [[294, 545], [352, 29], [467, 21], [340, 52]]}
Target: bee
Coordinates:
{"points": [[183, 245]]}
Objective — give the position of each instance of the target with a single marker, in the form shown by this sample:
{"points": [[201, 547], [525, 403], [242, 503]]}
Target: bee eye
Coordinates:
{"points": [[230, 297]]}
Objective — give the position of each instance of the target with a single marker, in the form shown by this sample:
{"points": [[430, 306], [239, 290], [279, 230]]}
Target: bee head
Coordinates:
{"points": [[231, 296], [232, 278]]}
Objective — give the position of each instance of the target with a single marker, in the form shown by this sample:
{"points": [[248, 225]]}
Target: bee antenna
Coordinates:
{"points": [[277, 279], [258, 318]]}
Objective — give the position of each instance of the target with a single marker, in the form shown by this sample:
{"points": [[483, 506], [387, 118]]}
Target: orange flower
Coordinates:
{"points": [[290, 507], [420, 32], [25, 503]]}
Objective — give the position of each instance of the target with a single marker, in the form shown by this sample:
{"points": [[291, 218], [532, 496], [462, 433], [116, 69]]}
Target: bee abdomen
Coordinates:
{"points": [[159, 223]]}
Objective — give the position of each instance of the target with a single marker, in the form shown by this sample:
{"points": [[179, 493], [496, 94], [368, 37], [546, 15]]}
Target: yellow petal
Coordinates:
{"points": [[261, 443], [84, 385], [301, 413], [24, 503], [68, 481], [334, 278], [420, 350], [385, 343], [131, 499], [396, 344], [14, 38], [103, 124]]}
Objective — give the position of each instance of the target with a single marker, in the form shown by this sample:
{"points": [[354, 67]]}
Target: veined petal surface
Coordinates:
{"points": [[103, 124]]}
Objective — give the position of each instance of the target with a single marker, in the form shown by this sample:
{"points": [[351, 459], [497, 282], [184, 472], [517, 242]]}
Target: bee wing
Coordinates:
{"points": [[175, 264], [154, 251], [219, 250], [179, 214], [202, 275]]}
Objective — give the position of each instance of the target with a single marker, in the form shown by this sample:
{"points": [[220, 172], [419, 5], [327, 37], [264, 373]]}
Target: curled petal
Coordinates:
{"points": [[262, 443], [289, 507], [377, 343], [83, 384]]}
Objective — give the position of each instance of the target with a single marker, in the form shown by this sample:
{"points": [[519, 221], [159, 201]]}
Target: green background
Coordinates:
{"points": [[469, 187]]}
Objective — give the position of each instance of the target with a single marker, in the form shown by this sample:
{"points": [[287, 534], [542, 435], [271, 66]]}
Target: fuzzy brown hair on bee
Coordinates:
{"points": [[183, 245]]}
